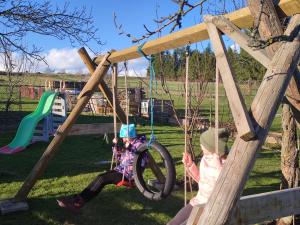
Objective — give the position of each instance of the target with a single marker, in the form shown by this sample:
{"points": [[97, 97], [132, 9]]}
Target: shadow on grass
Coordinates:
{"points": [[75, 156], [274, 174], [117, 206], [261, 189]]}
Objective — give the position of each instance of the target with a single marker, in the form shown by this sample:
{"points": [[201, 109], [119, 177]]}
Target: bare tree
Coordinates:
{"points": [[14, 66], [22, 17], [174, 20]]}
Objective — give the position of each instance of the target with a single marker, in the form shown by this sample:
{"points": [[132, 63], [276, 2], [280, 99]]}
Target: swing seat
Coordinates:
{"points": [[127, 184]]}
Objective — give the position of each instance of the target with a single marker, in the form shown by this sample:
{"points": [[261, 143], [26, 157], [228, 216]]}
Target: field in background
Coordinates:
{"points": [[176, 89]]}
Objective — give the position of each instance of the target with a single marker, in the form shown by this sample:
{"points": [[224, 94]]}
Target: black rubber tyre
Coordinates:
{"points": [[169, 167]]}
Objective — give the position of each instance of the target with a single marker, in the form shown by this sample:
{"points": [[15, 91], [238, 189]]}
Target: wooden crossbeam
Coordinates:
{"points": [[233, 93], [241, 18], [258, 208], [102, 85], [241, 158], [63, 130]]}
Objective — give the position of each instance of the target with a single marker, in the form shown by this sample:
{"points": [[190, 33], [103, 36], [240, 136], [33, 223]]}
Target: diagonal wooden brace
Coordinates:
{"points": [[261, 55], [240, 161], [102, 85], [236, 101], [63, 130]]}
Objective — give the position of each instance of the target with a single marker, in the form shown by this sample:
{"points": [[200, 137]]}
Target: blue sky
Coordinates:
{"points": [[131, 13]]}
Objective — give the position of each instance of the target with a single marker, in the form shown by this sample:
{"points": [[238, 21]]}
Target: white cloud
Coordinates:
{"points": [[136, 68], [235, 47], [67, 60], [62, 60]]}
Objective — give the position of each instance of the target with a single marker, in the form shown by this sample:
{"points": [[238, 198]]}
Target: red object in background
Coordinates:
{"points": [[32, 92], [40, 92]]}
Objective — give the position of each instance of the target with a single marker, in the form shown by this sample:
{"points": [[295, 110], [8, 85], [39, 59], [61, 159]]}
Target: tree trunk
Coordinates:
{"points": [[270, 26], [289, 155]]}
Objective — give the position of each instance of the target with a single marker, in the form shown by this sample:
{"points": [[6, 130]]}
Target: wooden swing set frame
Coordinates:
{"points": [[225, 204]]}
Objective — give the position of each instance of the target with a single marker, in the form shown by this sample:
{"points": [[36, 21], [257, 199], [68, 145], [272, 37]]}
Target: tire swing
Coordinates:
{"points": [[166, 181], [163, 170]]}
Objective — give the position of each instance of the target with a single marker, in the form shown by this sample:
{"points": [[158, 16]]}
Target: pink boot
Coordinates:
{"points": [[74, 204]]}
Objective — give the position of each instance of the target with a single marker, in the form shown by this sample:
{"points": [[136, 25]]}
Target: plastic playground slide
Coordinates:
{"points": [[28, 124]]}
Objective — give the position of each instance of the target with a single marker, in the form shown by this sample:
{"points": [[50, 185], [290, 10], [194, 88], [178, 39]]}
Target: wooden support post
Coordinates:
{"points": [[253, 209], [235, 98], [62, 132], [241, 158], [102, 85]]}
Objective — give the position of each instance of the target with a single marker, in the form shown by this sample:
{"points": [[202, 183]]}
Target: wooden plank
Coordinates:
{"points": [[241, 18], [262, 207], [267, 206], [93, 128], [63, 130], [102, 86], [241, 158], [233, 93]]}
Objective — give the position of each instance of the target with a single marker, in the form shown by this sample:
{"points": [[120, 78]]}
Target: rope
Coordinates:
{"points": [[210, 109], [126, 97], [114, 92], [127, 111], [217, 109], [186, 117], [152, 79]]}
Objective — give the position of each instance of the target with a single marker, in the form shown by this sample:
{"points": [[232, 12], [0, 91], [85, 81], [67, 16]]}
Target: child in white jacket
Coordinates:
{"points": [[208, 172]]}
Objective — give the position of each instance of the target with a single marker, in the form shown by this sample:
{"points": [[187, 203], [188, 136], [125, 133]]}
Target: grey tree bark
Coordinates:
{"points": [[268, 26]]}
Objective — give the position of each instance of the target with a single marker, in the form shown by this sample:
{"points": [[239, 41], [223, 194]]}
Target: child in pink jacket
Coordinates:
{"points": [[122, 174], [208, 172]]}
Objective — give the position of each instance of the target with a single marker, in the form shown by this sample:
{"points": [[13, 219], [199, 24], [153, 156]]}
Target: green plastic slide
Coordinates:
{"points": [[28, 124]]}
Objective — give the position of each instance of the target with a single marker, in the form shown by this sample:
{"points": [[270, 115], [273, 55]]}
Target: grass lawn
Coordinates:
{"points": [[74, 167]]}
